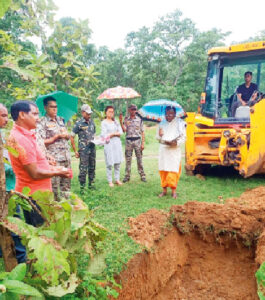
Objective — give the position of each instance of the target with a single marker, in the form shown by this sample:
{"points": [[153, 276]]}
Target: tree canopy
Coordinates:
{"points": [[39, 55]]}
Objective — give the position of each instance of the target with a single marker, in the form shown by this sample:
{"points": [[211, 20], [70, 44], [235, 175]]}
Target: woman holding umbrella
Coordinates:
{"points": [[171, 134]]}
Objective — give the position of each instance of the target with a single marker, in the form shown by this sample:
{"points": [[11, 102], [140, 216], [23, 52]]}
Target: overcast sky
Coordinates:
{"points": [[112, 20]]}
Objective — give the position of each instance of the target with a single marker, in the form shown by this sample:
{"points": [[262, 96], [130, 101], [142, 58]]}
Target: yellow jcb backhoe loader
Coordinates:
{"points": [[214, 135]]}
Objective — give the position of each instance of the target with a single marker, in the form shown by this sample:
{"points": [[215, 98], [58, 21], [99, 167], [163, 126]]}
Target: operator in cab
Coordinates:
{"points": [[246, 92]]}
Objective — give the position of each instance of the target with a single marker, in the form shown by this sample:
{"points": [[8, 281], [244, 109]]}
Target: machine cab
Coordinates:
{"points": [[226, 69]]}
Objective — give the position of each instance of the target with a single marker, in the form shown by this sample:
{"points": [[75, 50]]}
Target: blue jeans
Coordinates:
{"points": [[21, 254], [32, 217]]}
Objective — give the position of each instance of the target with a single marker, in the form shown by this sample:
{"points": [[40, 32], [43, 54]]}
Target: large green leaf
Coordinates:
{"points": [[67, 287], [3, 275], [23, 203], [51, 259], [79, 218], [75, 244], [26, 190], [15, 199], [21, 288], [4, 5], [70, 231], [97, 264], [80, 214], [18, 273], [11, 206], [51, 209], [67, 207], [48, 233], [63, 229], [19, 227], [8, 296]]}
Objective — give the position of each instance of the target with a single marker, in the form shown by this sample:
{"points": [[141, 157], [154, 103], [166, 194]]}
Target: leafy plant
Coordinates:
{"points": [[95, 284], [59, 66], [93, 289], [68, 231], [12, 285]]}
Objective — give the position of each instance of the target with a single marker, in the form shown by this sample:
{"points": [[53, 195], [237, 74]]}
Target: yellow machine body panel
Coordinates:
{"points": [[238, 48], [240, 146]]}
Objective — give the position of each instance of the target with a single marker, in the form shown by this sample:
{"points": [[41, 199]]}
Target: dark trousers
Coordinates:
{"points": [[135, 145], [32, 217], [87, 164]]}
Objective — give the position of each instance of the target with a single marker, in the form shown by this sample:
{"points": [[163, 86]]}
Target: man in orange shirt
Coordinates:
{"points": [[31, 166]]}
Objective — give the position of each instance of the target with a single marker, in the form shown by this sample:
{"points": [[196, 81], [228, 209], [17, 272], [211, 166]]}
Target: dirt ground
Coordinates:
{"points": [[198, 251]]}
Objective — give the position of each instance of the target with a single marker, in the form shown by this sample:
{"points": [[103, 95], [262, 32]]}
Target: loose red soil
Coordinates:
{"points": [[198, 251]]}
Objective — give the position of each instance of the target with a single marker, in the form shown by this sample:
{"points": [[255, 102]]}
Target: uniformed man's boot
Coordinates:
{"points": [[82, 189], [125, 179], [143, 179], [91, 184]]}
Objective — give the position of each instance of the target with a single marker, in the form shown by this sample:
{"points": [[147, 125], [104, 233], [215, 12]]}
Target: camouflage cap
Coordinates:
{"points": [[132, 106], [86, 108]]}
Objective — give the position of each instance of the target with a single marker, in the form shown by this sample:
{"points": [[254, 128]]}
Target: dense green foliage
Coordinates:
{"points": [[54, 247], [55, 62], [12, 285]]}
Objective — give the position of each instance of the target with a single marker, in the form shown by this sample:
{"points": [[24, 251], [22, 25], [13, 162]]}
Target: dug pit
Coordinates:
{"points": [[198, 251]]}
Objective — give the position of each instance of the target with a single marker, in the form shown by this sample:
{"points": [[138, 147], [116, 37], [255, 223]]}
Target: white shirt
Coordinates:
{"points": [[170, 156]]}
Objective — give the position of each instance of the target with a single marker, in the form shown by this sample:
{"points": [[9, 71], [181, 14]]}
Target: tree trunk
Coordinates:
{"points": [[6, 241]]}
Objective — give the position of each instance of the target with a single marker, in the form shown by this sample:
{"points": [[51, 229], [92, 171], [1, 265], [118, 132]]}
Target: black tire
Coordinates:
{"points": [[201, 169]]}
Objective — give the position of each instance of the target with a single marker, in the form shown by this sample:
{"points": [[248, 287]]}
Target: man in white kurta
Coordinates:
{"points": [[171, 134]]}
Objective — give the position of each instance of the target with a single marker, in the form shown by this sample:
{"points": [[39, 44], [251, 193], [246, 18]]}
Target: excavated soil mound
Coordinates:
{"points": [[148, 227], [252, 198], [198, 251]]}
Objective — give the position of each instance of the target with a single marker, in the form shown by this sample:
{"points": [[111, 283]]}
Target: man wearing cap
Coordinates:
{"points": [[85, 129], [52, 130], [133, 126]]}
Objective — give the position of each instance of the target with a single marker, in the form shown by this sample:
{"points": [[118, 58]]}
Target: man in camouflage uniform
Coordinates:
{"points": [[52, 130], [133, 126], [85, 129]]}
